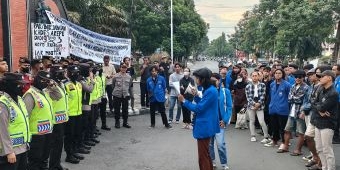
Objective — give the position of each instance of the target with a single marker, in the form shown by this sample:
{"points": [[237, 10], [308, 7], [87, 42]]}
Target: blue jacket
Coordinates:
{"points": [[279, 98], [206, 122], [291, 80], [156, 89], [225, 104], [337, 85]]}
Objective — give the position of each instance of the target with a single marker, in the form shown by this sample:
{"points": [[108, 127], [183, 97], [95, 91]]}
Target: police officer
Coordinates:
{"points": [[73, 126], [14, 124], [94, 97], [3, 67], [102, 92], [60, 116], [38, 101], [24, 69], [121, 95], [87, 82]]}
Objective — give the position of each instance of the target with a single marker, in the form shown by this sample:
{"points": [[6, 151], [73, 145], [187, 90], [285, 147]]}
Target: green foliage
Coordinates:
{"points": [[220, 47], [286, 28]]}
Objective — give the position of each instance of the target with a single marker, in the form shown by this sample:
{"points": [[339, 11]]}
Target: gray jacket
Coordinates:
{"points": [[122, 85]]}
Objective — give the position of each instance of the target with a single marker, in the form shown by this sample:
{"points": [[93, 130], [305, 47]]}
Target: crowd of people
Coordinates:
{"points": [[47, 106]]}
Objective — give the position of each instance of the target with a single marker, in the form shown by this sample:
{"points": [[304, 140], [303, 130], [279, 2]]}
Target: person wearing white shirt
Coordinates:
{"points": [[109, 71]]}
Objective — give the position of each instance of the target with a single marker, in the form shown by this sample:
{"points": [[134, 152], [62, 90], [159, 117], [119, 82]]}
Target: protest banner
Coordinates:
{"points": [[91, 45], [50, 40]]}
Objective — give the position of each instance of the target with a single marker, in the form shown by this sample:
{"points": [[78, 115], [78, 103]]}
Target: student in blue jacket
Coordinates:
{"points": [[224, 113], [279, 106], [156, 87], [206, 122]]}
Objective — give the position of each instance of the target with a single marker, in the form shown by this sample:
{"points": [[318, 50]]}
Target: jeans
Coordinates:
{"points": [[221, 147], [323, 143], [173, 100]]}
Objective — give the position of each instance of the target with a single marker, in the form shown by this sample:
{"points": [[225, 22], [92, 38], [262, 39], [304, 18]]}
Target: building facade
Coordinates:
{"points": [[15, 27]]}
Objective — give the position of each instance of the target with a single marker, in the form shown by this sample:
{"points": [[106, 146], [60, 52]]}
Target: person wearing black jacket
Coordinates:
{"points": [[184, 83], [325, 118]]}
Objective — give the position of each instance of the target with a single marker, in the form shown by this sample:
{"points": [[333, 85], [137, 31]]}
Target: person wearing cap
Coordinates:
{"points": [[36, 66], [74, 127], [121, 95], [60, 117], [325, 106], [225, 75], [206, 121], [47, 62], [255, 94], [95, 99], [24, 69], [306, 112], [131, 71], [14, 124], [224, 114], [296, 119], [3, 67], [336, 70], [109, 71], [38, 100], [103, 100], [156, 87], [86, 79]]}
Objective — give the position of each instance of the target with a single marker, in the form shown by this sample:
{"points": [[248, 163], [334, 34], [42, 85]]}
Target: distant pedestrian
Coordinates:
{"points": [[145, 74], [109, 71], [175, 78], [185, 82]]}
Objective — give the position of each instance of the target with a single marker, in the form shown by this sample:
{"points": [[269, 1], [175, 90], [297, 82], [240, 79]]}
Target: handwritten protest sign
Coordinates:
{"points": [[50, 40]]}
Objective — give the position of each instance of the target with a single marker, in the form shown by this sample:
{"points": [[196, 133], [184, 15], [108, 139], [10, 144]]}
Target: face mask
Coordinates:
{"points": [[59, 76], [39, 83], [14, 90], [186, 73], [74, 77], [239, 80], [100, 72], [25, 69]]}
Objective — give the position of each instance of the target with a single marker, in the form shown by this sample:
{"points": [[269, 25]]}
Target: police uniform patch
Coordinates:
{"points": [[60, 118], [44, 127], [71, 86], [17, 141]]}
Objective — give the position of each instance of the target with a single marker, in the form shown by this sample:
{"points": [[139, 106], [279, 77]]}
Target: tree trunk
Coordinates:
{"points": [[337, 44]]}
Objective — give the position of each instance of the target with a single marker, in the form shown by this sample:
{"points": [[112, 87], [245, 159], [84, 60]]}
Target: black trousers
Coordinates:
{"points": [[20, 164], [57, 143], [161, 109], [86, 129], [39, 152], [72, 138], [109, 90], [119, 103], [278, 123], [102, 108], [186, 115], [144, 97], [337, 129], [267, 120], [93, 119]]}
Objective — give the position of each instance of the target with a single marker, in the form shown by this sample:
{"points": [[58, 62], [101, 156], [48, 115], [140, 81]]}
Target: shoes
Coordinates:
{"points": [[83, 151], [72, 160], [106, 128], [177, 121], [315, 167], [151, 126], [214, 164], [168, 126], [170, 121], [80, 157], [86, 147], [253, 139], [310, 163], [95, 140], [126, 125], [89, 143], [307, 158], [117, 126], [265, 140], [225, 167]]}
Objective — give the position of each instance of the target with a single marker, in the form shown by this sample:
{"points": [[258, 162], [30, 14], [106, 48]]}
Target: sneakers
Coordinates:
{"points": [[168, 126], [307, 158], [253, 139], [265, 140], [225, 167], [270, 144], [170, 121], [214, 164], [177, 121]]}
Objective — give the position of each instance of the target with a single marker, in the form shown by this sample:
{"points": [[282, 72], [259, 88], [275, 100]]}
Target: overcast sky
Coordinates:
{"points": [[222, 15]]}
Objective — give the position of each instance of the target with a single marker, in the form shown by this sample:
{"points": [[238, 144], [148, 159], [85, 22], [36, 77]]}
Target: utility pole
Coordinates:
{"points": [[172, 33]]}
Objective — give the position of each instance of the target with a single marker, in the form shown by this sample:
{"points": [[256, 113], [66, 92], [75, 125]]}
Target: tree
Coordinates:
{"points": [[220, 47]]}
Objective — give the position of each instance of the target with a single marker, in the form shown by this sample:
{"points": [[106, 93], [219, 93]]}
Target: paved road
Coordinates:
{"points": [[141, 148]]}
